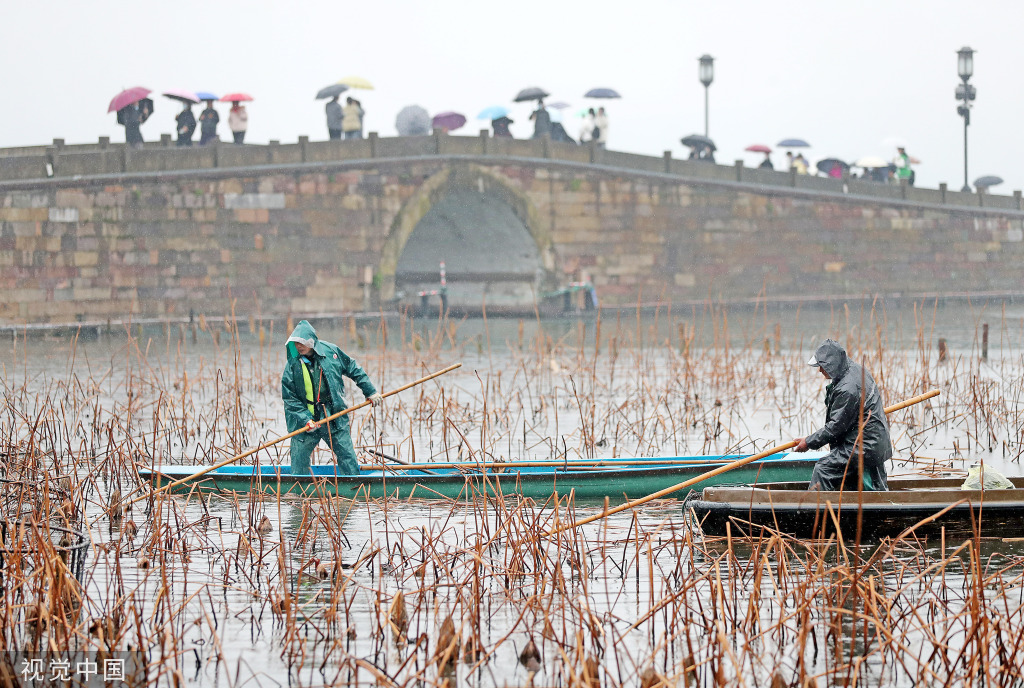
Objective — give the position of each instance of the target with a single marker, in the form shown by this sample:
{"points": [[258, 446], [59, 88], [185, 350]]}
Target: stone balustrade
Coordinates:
{"points": [[33, 165]]}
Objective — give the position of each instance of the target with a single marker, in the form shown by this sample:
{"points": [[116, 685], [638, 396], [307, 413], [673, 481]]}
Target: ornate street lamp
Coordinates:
{"points": [[965, 93], [706, 72]]}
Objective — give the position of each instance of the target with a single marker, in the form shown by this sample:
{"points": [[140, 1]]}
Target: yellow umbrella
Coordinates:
{"points": [[356, 82]]}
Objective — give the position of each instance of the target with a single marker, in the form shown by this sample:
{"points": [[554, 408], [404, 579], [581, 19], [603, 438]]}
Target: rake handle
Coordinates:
{"points": [[271, 443], [721, 469]]}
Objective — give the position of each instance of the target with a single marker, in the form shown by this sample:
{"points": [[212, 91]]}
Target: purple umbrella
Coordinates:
{"points": [[449, 121], [127, 97]]}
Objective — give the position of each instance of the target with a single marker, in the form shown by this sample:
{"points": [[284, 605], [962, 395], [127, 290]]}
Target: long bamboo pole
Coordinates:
{"points": [[271, 443], [718, 471]]}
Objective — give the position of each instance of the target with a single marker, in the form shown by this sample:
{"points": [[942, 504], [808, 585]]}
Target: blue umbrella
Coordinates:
{"points": [[493, 112], [206, 95], [602, 93], [793, 143]]}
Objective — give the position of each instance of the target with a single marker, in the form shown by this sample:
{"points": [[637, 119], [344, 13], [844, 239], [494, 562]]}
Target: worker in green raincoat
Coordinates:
{"points": [[313, 388]]}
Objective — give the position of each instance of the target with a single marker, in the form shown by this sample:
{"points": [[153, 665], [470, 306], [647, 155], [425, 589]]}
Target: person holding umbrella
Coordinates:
{"points": [[186, 124], [238, 121], [541, 119], [334, 117], [352, 119], [208, 121], [131, 117]]}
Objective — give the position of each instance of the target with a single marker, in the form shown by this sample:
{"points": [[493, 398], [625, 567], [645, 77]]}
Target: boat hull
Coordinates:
{"points": [[930, 505], [618, 483]]}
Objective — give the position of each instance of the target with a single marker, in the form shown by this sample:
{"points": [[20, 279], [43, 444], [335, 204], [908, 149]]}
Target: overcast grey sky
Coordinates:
{"points": [[844, 76]]}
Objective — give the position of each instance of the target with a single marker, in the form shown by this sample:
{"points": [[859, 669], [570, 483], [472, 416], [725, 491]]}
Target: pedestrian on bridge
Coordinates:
{"points": [[186, 125], [312, 389], [587, 126], [903, 168], [601, 126], [501, 127], [541, 119], [208, 121], [334, 118], [131, 117], [352, 119], [238, 121]]}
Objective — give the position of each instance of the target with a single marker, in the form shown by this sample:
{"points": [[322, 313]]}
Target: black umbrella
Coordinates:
{"points": [[331, 91], [531, 93], [698, 141], [987, 181], [827, 164]]}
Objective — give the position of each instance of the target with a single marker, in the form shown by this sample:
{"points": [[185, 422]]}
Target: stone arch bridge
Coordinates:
{"points": [[97, 232]]}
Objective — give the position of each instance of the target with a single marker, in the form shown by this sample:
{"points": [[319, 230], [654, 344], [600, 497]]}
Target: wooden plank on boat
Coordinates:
{"points": [[790, 508]]}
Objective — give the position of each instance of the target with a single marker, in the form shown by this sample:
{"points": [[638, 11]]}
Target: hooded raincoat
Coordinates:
{"points": [[313, 388], [842, 429]]}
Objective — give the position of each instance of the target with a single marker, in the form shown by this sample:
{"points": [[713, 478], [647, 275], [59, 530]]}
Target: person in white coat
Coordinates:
{"points": [[587, 127], [238, 121], [601, 122]]}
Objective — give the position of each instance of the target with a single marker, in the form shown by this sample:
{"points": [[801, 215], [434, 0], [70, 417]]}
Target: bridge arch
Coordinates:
{"points": [[454, 185]]}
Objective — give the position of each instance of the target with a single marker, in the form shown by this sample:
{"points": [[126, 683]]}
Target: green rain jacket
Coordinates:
{"points": [[335, 364]]}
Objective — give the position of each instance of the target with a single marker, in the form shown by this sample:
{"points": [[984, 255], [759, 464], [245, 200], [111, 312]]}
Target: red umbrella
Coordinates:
{"points": [[236, 98], [758, 148], [127, 97]]}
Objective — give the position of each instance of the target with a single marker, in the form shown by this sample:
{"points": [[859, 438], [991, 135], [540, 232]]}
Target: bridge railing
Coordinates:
{"points": [[62, 161]]}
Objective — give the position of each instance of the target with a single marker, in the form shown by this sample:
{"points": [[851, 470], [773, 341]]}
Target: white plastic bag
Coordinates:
{"points": [[994, 480]]}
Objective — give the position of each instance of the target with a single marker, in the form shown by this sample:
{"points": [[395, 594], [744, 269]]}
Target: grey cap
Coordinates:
{"points": [[305, 342]]}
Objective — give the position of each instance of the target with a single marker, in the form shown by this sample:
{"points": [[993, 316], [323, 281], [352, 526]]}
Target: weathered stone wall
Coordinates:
{"points": [[303, 240]]}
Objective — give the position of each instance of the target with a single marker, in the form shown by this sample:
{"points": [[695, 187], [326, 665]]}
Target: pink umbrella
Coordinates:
{"points": [[236, 98], [127, 97], [182, 95], [758, 148]]}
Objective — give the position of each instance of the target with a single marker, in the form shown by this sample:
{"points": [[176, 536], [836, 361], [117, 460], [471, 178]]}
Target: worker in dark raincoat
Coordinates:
{"points": [[851, 390], [313, 388]]}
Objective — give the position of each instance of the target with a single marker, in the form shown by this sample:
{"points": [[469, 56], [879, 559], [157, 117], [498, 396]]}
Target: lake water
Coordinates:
{"points": [[632, 592]]}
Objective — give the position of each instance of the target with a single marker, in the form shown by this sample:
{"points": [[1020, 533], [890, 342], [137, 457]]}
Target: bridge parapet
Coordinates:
{"points": [[26, 165]]}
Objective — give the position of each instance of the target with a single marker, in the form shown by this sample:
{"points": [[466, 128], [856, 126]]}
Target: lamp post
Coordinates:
{"points": [[965, 93], [706, 72]]}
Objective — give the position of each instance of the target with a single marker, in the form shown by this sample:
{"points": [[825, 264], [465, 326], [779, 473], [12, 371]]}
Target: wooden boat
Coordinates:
{"points": [[930, 504], [617, 479]]}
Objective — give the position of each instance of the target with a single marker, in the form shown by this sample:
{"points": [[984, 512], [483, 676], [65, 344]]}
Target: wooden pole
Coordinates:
{"points": [[718, 471], [339, 414]]}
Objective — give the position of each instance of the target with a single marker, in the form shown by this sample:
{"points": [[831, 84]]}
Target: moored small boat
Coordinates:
{"points": [[617, 479], [930, 504]]}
